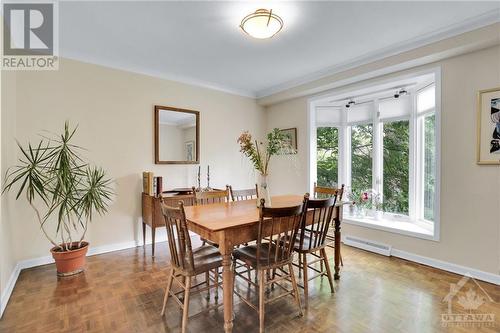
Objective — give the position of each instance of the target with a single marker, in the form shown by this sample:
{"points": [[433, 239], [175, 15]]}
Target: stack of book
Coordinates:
{"points": [[152, 185]]}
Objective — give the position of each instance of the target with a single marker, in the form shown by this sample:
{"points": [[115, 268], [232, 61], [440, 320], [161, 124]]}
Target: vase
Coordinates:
{"points": [[379, 215], [263, 190]]}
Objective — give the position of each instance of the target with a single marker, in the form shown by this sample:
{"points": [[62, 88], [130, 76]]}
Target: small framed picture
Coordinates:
{"points": [[291, 136], [488, 127], [190, 153]]}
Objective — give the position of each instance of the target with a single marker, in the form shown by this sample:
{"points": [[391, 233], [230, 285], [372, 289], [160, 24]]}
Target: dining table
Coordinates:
{"points": [[231, 224]]}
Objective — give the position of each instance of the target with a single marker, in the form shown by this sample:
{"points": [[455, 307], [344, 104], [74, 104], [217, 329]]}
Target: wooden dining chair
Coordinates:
{"points": [[210, 197], [247, 194], [327, 192], [187, 263], [312, 240], [276, 235], [241, 195]]}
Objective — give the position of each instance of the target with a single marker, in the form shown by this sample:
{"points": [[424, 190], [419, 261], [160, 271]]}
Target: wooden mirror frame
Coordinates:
{"points": [[156, 125]]}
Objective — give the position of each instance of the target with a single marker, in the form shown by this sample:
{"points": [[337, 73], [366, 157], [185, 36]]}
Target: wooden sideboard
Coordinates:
{"points": [[152, 214]]}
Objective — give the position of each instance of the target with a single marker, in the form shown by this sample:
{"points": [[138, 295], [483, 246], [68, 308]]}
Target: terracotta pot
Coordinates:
{"points": [[70, 262]]}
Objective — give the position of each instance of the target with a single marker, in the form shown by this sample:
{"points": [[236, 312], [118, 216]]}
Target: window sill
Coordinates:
{"points": [[422, 230]]}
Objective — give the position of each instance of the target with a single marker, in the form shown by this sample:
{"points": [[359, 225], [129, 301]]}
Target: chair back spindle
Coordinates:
{"points": [[179, 242], [316, 223], [277, 231], [211, 197], [247, 194]]}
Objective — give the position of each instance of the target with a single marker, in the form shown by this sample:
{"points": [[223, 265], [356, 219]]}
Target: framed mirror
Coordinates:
{"points": [[177, 135]]}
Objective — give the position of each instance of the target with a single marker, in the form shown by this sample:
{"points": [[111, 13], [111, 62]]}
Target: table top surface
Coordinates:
{"points": [[216, 217]]}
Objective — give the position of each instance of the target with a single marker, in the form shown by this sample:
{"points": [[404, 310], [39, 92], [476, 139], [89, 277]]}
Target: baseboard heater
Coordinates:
{"points": [[368, 245]]}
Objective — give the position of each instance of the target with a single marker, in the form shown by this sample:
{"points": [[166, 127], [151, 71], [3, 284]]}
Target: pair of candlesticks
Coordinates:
{"points": [[208, 188]]}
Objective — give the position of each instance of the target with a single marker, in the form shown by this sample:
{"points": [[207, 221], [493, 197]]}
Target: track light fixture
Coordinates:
{"points": [[351, 102], [401, 92]]}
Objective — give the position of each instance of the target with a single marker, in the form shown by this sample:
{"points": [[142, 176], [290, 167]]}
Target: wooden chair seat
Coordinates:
{"points": [[248, 254], [206, 258]]}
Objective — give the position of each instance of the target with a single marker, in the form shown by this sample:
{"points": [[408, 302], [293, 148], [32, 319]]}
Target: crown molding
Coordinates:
{"points": [[166, 76], [473, 23]]}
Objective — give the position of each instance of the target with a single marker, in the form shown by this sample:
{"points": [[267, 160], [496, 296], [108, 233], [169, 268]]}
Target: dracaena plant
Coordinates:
{"points": [[52, 174]]}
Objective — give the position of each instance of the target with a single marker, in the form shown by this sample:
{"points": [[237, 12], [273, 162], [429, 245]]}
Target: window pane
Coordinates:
{"points": [[327, 155], [429, 166], [396, 167], [426, 99], [361, 155]]}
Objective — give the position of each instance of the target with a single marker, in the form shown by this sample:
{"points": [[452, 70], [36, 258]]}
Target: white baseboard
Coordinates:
{"points": [[28, 263], [447, 266], [436, 263], [4, 299], [450, 267]]}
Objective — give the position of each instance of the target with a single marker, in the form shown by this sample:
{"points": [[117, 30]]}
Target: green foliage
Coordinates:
{"points": [[429, 166], [260, 156], [70, 189], [396, 166], [327, 156], [361, 157], [396, 163]]}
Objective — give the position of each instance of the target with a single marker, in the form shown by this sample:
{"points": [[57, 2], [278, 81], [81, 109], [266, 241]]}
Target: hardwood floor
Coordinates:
{"points": [[123, 292]]}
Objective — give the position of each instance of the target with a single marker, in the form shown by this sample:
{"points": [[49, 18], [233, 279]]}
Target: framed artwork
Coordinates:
{"points": [[488, 127], [291, 135], [190, 153]]}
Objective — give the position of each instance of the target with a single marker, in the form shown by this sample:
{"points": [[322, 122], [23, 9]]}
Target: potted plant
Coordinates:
{"points": [[53, 175], [260, 155]]}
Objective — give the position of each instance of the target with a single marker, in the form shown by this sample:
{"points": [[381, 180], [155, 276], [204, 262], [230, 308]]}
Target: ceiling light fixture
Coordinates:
{"points": [[262, 24]]}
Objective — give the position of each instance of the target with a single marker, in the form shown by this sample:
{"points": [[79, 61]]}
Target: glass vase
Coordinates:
{"points": [[263, 190]]}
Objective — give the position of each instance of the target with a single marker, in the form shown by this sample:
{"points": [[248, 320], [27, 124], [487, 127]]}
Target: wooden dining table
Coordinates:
{"points": [[234, 223]]}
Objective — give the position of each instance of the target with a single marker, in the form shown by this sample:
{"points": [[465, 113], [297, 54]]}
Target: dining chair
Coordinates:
{"points": [[214, 196], [210, 197], [312, 239], [276, 234], [187, 263], [327, 192], [247, 194], [241, 195]]}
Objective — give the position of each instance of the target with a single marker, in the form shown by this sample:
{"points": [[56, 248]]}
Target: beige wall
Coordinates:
{"points": [[470, 194], [114, 111]]}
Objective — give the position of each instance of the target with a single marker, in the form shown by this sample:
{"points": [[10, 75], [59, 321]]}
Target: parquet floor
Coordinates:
{"points": [[122, 292]]}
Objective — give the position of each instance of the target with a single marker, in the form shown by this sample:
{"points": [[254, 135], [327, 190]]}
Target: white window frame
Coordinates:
{"points": [[413, 224]]}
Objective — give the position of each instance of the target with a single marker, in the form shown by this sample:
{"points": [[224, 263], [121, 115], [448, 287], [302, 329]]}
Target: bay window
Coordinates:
{"points": [[386, 147]]}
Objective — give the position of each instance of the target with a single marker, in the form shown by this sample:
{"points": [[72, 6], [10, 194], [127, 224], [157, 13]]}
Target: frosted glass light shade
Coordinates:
{"points": [[262, 24]]}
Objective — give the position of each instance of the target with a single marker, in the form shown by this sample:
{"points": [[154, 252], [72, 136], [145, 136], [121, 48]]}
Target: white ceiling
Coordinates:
{"points": [[200, 42]]}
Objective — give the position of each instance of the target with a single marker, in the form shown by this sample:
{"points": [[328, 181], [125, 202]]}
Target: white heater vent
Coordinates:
{"points": [[368, 245]]}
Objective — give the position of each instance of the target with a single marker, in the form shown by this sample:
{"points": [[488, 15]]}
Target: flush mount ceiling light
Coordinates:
{"points": [[262, 24]]}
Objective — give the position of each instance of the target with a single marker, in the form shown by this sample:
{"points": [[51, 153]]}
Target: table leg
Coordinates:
{"points": [[227, 287], [336, 275]]}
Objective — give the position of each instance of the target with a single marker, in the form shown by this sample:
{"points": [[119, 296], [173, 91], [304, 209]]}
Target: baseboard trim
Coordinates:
{"points": [[46, 260], [8, 289], [447, 266]]}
